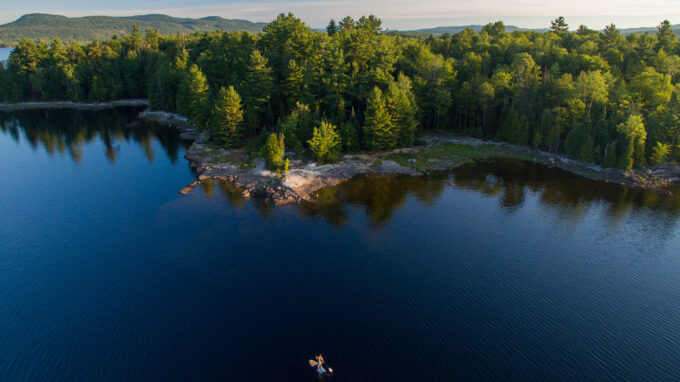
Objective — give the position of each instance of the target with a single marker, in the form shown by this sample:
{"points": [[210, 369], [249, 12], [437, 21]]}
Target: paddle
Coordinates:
{"points": [[313, 363]]}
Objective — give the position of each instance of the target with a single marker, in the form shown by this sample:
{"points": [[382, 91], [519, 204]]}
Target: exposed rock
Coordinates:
{"points": [[304, 179], [188, 188], [73, 105]]}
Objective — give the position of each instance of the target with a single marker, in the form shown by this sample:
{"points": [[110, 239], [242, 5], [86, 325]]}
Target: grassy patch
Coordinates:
{"points": [[456, 152]]}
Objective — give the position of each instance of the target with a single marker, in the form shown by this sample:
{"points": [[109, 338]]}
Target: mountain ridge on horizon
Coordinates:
{"points": [[87, 28]]}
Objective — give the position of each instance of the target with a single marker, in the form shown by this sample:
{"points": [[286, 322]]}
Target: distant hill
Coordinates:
{"points": [[43, 26], [476, 28], [69, 29], [438, 31]]}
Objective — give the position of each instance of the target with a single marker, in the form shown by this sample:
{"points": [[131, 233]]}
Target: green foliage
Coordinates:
{"points": [[273, 151], [378, 129], [325, 143], [626, 157], [514, 130], [196, 102], [226, 117], [579, 142], [573, 93], [652, 88], [592, 87], [559, 25], [610, 156], [403, 109], [256, 89], [84, 29], [634, 134], [661, 152]]}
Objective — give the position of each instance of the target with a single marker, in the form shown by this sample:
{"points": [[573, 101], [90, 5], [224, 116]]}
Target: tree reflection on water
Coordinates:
{"points": [[508, 181], [62, 132]]}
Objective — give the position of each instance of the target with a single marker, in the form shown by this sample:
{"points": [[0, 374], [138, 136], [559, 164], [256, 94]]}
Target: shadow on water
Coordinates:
{"points": [[63, 131], [380, 197], [508, 181], [66, 132]]}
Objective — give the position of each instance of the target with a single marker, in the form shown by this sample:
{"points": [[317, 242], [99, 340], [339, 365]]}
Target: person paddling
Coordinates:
{"points": [[319, 364]]}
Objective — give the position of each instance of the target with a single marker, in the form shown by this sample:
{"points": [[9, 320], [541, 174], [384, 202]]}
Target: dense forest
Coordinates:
{"points": [[85, 29], [598, 97]]}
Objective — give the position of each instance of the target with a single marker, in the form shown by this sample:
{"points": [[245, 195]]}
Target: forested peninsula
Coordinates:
{"points": [[598, 97]]}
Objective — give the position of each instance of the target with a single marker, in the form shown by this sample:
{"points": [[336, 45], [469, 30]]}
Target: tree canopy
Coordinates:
{"points": [[600, 97]]}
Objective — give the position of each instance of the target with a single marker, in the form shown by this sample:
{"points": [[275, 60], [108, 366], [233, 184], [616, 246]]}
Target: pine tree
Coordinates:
{"points": [[227, 116], [273, 152], [402, 108], [193, 96], [610, 156], [332, 28], [514, 130], [349, 133], [660, 153], [325, 142], [288, 126], [579, 141], [378, 132], [256, 89], [587, 153], [626, 158], [634, 134], [665, 35], [559, 25]]}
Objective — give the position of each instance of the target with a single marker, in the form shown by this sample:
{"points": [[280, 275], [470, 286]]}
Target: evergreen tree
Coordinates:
{"points": [[610, 156], [325, 143], [559, 25], [579, 142], [332, 28], [256, 89], [378, 131], [273, 152], [227, 117], [626, 158], [194, 97], [634, 134], [515, 130], [665, 36], [347, 23], [402, 108], [349, 133], [288, 126], [587, 153], [660, 153]]}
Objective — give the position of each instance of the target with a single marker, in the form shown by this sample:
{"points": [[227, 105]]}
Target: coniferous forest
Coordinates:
{"points": [[596, 96]]}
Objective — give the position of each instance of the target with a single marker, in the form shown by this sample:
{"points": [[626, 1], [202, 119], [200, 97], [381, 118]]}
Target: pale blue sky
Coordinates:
{"points": [[396, 14]]}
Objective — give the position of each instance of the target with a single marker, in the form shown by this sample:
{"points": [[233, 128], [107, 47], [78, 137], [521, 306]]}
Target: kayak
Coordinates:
{"points": [[321, 371]]}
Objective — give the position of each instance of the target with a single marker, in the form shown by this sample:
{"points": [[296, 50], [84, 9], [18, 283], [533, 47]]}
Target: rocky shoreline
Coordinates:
{"points": [[439, 154], [72, 105]]}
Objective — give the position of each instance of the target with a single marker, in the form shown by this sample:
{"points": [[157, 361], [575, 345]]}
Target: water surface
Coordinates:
{"points": [[516, 272], [4, 53]]}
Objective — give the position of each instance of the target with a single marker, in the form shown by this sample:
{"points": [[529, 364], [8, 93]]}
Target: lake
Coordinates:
{"points": [[503, 271], [4, 53]]}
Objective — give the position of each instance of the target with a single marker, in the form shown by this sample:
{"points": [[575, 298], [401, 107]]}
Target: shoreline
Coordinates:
{"points": [[441, 153], [72, 105], [305, 178]]}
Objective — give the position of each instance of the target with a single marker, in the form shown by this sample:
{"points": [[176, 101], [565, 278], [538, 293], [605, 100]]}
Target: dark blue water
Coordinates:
{"points": [[4, 53], [518, 272]]}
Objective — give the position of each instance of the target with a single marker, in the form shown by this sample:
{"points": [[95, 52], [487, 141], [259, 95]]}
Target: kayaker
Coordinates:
{"points": [[319, 362]]}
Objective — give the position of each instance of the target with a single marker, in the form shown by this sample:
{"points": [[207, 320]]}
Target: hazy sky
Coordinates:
{"points": [[396, 14]]}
